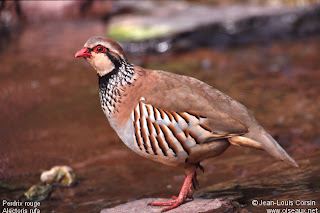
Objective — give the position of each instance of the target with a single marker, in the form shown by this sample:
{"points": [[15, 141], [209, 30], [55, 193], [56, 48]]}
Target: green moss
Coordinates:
{"points": [[38, 192], [7, 186], [135, 33]]}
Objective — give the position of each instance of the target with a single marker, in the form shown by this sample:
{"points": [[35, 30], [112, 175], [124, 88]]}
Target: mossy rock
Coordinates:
{"points": [[135, 33]]}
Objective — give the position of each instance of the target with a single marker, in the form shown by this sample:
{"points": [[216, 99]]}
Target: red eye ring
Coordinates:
{"points": [[100, 49]]}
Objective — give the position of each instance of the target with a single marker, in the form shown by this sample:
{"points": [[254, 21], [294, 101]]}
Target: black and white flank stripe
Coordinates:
{"points": [[167, 133]]}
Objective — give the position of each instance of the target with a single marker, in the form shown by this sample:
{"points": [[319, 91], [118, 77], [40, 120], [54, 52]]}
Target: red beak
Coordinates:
{"points": [[83, 53]]}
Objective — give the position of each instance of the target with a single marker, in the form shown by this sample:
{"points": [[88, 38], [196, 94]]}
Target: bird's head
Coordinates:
{"points": [[103, 54]]}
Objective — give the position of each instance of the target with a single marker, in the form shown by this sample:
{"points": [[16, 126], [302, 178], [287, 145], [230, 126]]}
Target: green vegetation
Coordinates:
{"points": [[135, 33]]}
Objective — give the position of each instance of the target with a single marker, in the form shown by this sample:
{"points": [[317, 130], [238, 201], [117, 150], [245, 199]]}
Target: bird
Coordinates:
{"points": [[169, 118]]}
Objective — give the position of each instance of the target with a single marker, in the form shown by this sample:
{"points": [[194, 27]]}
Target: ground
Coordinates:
{"points": [[50, 115]]}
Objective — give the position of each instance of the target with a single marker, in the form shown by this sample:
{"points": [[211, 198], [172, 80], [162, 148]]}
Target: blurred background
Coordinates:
{"points": [[265, 54]]}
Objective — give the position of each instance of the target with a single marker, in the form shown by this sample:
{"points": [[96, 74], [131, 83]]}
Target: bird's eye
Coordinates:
{"points": [[100, 49]]}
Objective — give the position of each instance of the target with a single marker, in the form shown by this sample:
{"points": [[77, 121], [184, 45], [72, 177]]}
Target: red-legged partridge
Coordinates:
{"points": [[173, 119]]}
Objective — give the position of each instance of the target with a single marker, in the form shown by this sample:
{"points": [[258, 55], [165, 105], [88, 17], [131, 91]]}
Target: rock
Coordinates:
{"points": [[38, 192], [197, 205], [181, 26], [64, 175]]}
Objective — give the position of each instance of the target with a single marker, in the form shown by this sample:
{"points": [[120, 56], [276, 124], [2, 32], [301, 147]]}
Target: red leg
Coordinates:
{"points": [[195, 182], [185, 193], [189, 195]]}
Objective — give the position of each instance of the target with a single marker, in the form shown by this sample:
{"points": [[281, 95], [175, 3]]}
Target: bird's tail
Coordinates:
{"points": [[260, 139]]}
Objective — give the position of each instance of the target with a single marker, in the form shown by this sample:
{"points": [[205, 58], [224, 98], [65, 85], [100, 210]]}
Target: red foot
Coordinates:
{"points": [[185, 193]]}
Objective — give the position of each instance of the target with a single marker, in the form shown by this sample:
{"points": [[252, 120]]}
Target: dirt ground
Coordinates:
{"points": [[50, 115]]}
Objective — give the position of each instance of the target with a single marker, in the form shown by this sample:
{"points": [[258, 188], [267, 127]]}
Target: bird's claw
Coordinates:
{"points": [[170, 203]]}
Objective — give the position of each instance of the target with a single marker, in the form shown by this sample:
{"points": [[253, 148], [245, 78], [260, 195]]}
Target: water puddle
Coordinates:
{"points": [[50, 115]]}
